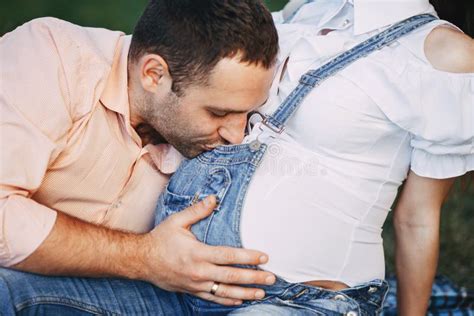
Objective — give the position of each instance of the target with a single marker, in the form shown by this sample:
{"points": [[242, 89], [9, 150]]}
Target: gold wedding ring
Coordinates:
{"points": [[214, 288]]}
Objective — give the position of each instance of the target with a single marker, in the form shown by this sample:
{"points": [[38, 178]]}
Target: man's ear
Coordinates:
{"points": [[154, 73]]}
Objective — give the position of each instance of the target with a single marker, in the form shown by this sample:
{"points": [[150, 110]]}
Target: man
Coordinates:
{"points": [[78, 186]]}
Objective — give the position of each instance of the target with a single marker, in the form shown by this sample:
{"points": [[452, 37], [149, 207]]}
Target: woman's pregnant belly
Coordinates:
{"points": [[308, 221]]}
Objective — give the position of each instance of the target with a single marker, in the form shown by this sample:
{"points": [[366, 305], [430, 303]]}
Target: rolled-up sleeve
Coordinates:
{"points": [[25, 224], [25, 154], [34, 121]]}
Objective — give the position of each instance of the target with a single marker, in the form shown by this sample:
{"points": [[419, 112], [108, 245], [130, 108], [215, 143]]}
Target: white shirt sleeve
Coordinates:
{"points": [[442, 127], [440, 113]]}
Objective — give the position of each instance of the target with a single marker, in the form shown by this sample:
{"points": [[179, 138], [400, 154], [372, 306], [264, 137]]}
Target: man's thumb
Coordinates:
{"points": [[197, 212]]}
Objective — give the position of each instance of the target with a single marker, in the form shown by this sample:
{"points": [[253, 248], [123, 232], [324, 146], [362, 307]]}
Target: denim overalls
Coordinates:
{"points": [[226, 173]]}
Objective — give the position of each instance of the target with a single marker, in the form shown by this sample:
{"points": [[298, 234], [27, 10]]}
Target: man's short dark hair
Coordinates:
{"points": [[194, 35]]}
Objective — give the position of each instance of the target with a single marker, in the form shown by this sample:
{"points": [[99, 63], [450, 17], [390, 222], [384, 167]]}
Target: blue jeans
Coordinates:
{"points": [[29, 294]]}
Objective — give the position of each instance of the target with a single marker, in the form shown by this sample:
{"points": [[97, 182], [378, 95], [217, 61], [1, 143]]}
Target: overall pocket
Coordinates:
{"points": [[186, 188]]}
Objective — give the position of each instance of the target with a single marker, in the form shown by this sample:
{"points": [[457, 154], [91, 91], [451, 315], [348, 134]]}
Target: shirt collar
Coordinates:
{"points": [[299, 34], [365, 16], [115, 95], [370, 15]]}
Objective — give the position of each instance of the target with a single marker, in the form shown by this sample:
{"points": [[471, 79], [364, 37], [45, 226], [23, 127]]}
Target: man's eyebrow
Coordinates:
{"points": [[229, 110]]}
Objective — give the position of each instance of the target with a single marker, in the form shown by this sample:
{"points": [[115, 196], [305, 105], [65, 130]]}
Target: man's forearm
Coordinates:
{"points": [[77, 248], [169, 257], [416, 261]]}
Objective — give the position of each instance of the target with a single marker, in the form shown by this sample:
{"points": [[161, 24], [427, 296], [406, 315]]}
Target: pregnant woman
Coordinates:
{"points": [[316, 176]]}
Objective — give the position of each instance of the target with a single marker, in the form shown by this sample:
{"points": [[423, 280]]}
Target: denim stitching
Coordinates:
{"points": [[226, 185], [64, 302]]}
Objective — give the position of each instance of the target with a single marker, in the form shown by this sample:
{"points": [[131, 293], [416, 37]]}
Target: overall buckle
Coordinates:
{"points": [[271, 127]]}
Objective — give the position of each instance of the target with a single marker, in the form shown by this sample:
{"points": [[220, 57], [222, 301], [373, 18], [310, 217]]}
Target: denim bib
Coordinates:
{"points": [[227, 171]]}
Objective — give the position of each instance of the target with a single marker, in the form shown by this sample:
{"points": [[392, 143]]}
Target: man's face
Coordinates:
{"points": [[207, 116]]}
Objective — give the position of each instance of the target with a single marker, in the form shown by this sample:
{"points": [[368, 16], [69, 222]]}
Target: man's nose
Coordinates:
{"points": [[234, 129]]}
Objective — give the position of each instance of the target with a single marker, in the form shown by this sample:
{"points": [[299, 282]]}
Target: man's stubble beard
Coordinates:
{"points": [[164, 118]]}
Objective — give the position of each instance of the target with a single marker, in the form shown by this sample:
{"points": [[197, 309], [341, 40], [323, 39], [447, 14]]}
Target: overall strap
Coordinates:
{"points": [[312, 78]]}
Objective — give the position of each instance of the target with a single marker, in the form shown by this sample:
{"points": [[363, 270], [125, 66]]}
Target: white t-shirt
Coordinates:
{"points": [[318, 201]]}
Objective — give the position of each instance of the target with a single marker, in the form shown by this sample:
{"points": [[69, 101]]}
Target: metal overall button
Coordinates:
{"points": [[255, 145], [340, 297], [372, 289], [352, 313]]}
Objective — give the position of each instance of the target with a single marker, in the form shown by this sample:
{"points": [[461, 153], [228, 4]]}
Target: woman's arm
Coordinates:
{"points": [[416, 217], [416, 222], [450, 50]]}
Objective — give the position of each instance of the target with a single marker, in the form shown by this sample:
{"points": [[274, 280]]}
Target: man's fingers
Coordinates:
{"points": [[231, 275], [221, 257], [229, 255], [238, 292], [230, 294], [196, 212], [227, 294], [216, 299]]}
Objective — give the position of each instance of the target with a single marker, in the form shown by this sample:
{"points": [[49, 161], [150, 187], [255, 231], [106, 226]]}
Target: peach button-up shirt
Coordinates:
{"points": [[67, 144]]}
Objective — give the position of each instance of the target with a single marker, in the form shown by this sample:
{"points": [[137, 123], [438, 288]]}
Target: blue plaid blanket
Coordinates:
{"points": [[446, 299]]}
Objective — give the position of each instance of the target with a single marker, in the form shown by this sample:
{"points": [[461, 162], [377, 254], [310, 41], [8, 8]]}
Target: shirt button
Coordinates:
{"points": [[351, 313], [372, 290], [346, 22], [117, 204], [340, 297]]}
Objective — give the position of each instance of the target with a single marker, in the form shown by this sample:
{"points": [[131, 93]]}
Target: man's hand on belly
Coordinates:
{"points": [[169, 257], [176, 261]]}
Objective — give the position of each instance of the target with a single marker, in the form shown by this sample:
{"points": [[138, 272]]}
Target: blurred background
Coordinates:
{"points": [[457, 243]]}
